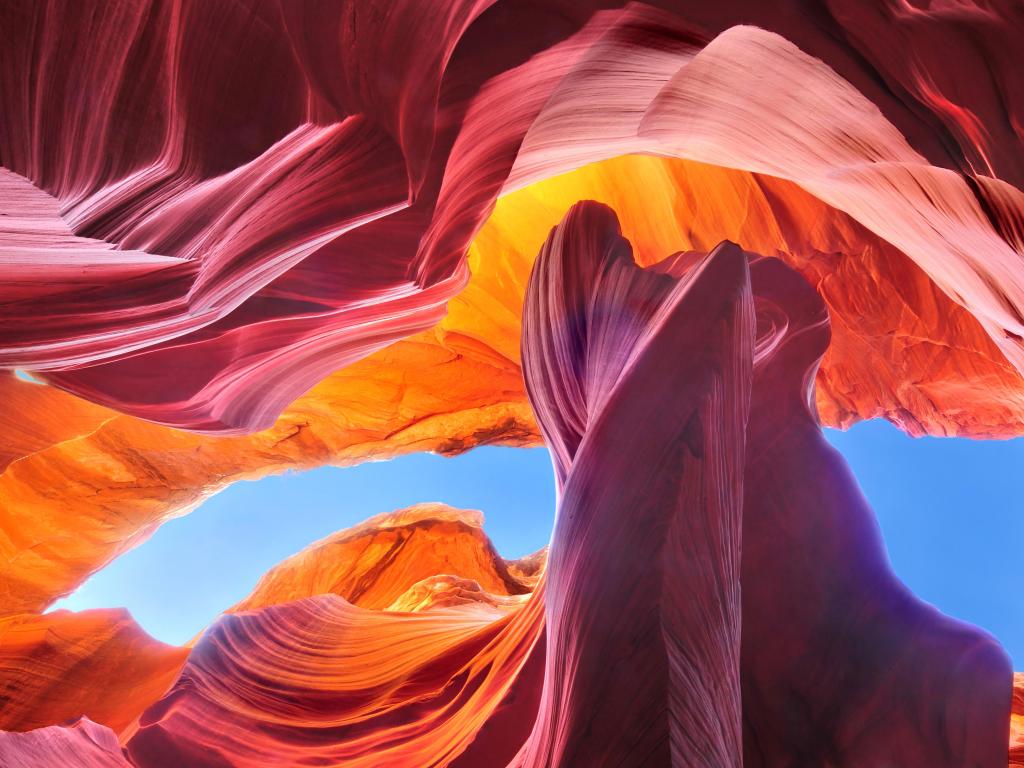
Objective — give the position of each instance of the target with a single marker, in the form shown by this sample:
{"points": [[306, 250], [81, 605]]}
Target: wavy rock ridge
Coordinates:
{"points": [[74, 496], [99, 664]]}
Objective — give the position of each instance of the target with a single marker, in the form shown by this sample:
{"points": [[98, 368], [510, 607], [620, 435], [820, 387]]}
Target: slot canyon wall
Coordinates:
{"points": [[238, 238]]}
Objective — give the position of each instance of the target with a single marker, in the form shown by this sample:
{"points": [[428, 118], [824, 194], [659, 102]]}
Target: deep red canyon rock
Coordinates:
{"points": [[369, 175]]}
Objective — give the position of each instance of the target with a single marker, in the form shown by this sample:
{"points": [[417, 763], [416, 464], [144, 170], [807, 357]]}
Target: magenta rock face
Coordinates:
{"points": [[266, 192], [82, 745], [840, 665], [644, 670]]}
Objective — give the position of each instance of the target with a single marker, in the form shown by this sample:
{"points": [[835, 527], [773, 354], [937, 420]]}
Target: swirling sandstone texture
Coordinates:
{"points": [[99, 664], [667, 499], [444, 671], [375, 563], [82, 744], [904, 684], [1017, 723], [230, 233], [258, 193], [84, 483]]}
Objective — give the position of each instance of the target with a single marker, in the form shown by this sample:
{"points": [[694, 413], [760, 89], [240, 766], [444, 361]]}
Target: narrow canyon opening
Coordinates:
{"points": [[927, 493], [196, 566]]}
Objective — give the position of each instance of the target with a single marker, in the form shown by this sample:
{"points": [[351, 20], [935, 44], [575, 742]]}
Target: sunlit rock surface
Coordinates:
{"points": [[397, 165], [1017, 723], [428, 558], [75, 497], [98, 664], [901, 348], [96, 483], [320, 678], [377, 562], [410, 680], [233, 229], [450, 592]]}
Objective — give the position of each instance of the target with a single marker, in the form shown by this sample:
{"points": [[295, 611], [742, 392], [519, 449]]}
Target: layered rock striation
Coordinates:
{"points": [[273, 222]]}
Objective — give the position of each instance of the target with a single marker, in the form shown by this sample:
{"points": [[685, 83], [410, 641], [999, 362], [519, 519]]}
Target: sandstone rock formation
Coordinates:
{"points": [[904, 684], [411, 681], [321, 679], [98, 664], [397, 165], [74, 497], [1017, 722], [376, 562], [230, 233], [61, 666], [446, 591], [83, 745], [599, 336]]}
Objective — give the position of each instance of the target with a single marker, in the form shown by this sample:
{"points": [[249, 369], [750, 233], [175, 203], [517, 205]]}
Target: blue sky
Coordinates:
{"points": [[951, 512], [952, 516]]}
